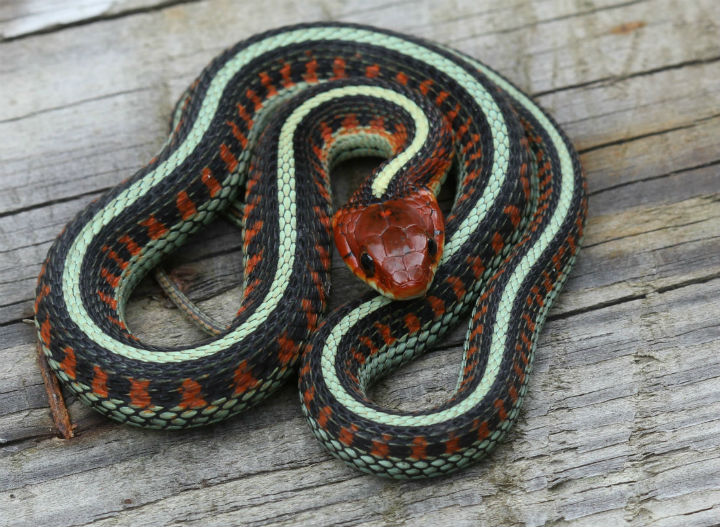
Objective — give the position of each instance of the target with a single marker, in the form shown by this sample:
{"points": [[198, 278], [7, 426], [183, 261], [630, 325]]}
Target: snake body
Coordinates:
{"points": [[264, 124]]}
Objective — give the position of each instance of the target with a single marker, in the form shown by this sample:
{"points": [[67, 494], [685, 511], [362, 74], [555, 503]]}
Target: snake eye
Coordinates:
{"points": [[368, 264], [432, 247]]}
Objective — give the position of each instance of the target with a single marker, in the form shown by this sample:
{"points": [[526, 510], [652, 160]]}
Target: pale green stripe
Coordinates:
{"points": [[71, 278], [509, 295], [422, 128]]}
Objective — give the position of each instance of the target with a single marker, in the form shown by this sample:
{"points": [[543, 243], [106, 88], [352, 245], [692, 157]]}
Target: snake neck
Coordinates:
{"points": [[391, 231]]}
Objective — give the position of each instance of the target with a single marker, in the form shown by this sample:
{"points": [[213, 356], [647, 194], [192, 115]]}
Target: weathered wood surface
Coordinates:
{"points": [[621, 426]]}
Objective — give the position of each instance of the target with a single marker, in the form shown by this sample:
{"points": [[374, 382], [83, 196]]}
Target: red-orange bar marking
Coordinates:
{"points": [[227, 156], [311, 71], [425, 86], [372, 71], [437, 305], [185, 205], [412, 322], [244, 115], [109, 300], [285, 71], [381, 448], [132, 247], [139, 395], [210, 182], [155, 228], [68, 364], [237, 133], [267, 83], [325, 414], [99, 383], [347, 435], [191, 393], [254, 98], [452, 445], [500, 405], [243, 379], [288, 349], [309, 395], [338, 68], [109, 277], [497, 243], [419, 448]]}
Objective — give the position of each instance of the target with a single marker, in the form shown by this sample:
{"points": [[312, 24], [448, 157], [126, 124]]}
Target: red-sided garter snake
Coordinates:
{"points": [[270, 116]]}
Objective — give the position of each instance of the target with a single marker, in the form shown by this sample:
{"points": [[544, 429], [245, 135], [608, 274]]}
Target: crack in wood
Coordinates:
{"points": [[540, 22], [73, 104], [607, 81], [701, 166], [644, 136], [49, 203], [658, 229], [60, 26]]}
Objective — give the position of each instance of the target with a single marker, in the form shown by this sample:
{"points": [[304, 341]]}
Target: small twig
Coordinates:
{"points": [[59, 412]]}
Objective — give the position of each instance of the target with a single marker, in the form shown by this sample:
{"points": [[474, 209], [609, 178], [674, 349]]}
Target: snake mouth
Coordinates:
{"points": [[411, 284], [393, 246]]}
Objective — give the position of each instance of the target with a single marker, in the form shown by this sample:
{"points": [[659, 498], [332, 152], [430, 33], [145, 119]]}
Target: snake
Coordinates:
{"points": [[260, 130]]}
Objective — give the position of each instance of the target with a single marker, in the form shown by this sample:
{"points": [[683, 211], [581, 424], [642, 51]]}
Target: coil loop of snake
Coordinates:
{"points": [[260, 130]]}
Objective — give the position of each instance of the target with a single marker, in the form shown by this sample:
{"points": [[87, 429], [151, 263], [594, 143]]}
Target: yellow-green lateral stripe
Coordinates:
{"points": [[500, 328], [422, 129], [79, 247]]}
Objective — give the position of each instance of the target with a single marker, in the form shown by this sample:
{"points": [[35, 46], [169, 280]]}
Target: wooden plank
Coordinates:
{"points": [[621, 424], [627, 183], [602, 403], [677, 244], [128, 125], [22, 18], [53, 228]]}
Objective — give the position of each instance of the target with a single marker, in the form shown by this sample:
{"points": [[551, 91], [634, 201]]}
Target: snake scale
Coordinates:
{"points": [[260, 129]]}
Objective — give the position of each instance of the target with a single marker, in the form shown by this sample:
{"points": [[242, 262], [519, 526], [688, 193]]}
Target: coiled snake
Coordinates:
{"points": [[265, 123]]}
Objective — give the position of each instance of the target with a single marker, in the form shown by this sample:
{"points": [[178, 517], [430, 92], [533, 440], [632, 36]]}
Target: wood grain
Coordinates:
{"points": [[621, 424]]}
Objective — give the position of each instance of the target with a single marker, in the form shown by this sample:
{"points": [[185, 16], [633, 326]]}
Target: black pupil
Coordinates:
{"points": [[432, 247], [368, 264]]}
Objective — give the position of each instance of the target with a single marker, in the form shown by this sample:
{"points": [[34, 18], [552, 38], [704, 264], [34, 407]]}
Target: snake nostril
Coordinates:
{"points": [[368, 264]]}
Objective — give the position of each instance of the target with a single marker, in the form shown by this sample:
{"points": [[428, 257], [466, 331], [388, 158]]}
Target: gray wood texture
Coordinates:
{"points": [[622, 422]]}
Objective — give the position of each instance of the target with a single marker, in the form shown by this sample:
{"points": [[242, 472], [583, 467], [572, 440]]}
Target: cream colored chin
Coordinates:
{"points": [[389, 294]]}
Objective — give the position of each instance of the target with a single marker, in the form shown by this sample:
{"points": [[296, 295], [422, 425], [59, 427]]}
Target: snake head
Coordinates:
{"points": [[395, 245]]}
